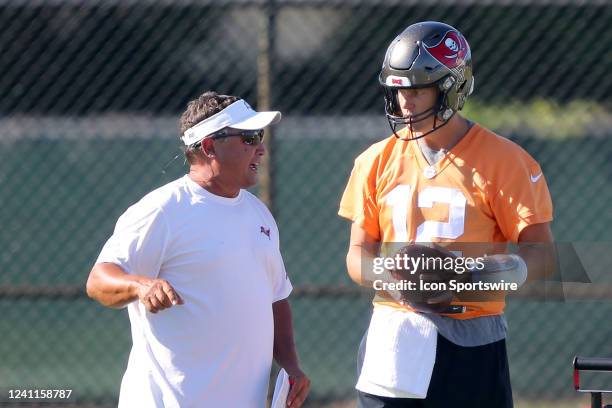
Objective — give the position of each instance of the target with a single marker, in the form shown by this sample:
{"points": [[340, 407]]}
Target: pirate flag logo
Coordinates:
{"points": [[451, 50]]}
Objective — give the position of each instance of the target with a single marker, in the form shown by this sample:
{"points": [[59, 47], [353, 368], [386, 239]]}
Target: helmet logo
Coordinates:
{"points": [[393, 80], [451, 45], [451, 51]]}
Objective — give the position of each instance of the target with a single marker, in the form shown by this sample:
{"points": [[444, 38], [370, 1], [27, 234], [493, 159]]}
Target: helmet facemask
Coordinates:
{"points": [[398, 121]]}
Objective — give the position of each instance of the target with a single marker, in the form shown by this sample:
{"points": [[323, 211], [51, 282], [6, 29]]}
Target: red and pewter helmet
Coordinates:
{"points": [[427, 54]]}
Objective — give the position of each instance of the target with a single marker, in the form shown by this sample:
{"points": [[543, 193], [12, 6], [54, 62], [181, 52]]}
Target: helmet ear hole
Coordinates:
{"points": [[462, 87]]}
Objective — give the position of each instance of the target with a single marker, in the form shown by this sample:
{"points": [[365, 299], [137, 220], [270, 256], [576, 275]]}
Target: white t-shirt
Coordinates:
{"points": [[222, 257]]}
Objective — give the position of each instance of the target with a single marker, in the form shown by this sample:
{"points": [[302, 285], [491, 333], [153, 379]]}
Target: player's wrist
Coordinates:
{"points": [[498, 267]]}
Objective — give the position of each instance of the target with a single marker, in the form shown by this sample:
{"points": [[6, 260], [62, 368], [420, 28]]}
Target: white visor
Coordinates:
{"points": [[239, 115]]}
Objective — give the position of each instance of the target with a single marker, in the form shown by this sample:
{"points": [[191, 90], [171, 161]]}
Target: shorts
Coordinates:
{"points": [[463, 377]]}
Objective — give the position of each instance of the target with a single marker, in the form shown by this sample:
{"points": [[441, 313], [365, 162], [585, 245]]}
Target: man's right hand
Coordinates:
{"points": [[113, 287], [158, 294]]}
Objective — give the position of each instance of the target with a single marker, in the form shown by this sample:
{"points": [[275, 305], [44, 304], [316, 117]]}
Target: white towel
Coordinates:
{"points": [[281, 390], [400, 354]]}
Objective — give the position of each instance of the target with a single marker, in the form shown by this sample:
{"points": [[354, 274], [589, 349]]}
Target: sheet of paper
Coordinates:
{"points": [[281, 390]]}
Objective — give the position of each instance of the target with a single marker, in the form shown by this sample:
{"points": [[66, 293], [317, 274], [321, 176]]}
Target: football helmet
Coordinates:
{"points": [[427, 54]]}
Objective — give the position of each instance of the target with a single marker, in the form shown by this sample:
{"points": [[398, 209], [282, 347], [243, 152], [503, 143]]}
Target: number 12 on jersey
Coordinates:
{"points": [[399, 200]]}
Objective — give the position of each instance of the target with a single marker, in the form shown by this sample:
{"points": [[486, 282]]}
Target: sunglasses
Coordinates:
{"points": [[248, 137]]}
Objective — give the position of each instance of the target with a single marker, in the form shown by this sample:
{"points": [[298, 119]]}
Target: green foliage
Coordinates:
{"points": [[542, 118]]}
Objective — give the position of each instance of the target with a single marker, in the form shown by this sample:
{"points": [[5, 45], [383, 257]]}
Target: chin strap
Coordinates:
{"points": [[393, 124], [395, 121]]}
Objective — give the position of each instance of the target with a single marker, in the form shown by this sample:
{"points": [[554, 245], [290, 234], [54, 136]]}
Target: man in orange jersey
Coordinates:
{"points": [[440, 178]]}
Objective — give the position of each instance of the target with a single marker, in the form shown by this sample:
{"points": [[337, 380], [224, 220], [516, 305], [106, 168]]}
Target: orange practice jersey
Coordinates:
{"points": [[485, 190]]}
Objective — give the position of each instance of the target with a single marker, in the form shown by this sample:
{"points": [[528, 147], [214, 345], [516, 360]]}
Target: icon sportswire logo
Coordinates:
{"points": [[536, 177]]}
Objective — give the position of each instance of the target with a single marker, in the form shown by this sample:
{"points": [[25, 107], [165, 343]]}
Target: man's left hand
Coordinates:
{"points": [[300, 385]]}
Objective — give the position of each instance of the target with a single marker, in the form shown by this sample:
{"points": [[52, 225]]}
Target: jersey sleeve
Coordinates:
{"points": [[139, 241], [522, 197], [281, 284], [359, 202]]}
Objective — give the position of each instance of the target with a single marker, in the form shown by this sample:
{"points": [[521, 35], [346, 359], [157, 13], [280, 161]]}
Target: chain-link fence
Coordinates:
{"points": [[91, 93]]}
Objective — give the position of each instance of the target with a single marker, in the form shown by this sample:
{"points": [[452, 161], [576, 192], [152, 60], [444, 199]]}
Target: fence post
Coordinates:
{"points": [[265, 67]]}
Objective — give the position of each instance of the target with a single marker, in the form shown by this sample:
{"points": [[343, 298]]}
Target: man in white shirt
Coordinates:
{"points": [[198, 264]]}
